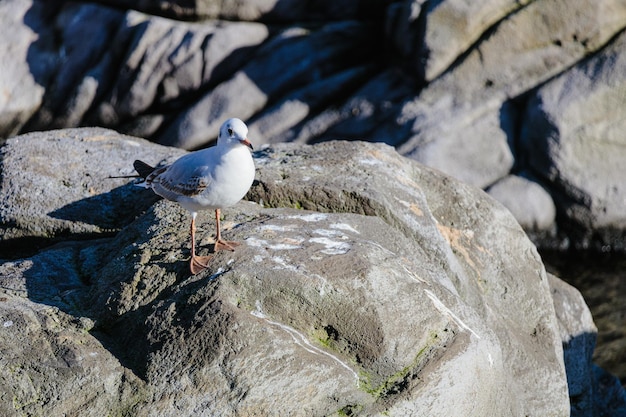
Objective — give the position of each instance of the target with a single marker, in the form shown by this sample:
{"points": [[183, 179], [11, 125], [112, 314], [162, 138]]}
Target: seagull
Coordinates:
{"points": [[208, 179]]}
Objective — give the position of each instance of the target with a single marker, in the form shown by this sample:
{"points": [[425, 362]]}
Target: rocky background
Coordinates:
{"points": [[522, 99]]}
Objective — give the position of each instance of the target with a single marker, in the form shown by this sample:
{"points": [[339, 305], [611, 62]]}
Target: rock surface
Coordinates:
{"points": [[604, 291], [469, 88], [596, 392], [367, 284], [583, 148], [528, 201], [71, 196]]}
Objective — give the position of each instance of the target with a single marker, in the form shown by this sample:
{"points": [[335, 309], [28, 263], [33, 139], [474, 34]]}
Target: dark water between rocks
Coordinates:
{"points": [[601, 278]]}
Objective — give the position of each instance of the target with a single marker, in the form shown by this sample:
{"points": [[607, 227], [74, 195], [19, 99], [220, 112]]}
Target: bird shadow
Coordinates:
{"points": [[101, 215], [111, 210]]}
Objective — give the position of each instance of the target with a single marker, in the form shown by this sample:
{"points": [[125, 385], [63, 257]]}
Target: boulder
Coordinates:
{"points": [[158, 63], [592, 390], [295, 59], [432, 35], [86, 49], [463, 123], [360, 117], [573, 129], [578, 333], [528, 201], [56, 185], [286, 121], [51, 363], [367, 284]]}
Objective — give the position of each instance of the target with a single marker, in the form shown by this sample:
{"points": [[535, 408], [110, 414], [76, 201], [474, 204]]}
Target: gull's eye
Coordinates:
{"points": [[230, 132]]}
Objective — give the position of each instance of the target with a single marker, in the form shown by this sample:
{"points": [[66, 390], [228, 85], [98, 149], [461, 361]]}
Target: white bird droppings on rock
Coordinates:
{"points": [[370, 161], [277, 228], [344, 226], [446, 311], [262, 243], [330, 233], [332, 247], [312, 217]]}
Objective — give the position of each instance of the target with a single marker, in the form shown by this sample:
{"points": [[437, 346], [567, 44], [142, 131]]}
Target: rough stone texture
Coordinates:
{"points": [[578, 333], [310, 57], [600, 279], [576, 122], [431, 35], [70, 195], [374, 290], [51, 364], [161, 63], [493, 93], [446, 82], [460, 123], [356, 119]]}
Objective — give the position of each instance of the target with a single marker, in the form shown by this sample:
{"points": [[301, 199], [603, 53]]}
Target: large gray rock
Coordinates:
{"points": [[578, 333], [528, 201], [576, 124], [86, 50], [51, 363], [167, 62], [375, 293], [461, 122], [295, 59], [358, 118], [593, 391], [431, 35], [287, 120], [71, 195]]}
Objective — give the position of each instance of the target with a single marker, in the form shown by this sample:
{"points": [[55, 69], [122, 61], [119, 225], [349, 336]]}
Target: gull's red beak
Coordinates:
{"points": [[247, 143]]}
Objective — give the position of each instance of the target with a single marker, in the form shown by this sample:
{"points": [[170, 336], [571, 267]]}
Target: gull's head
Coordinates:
{"points": [[232, 132]]}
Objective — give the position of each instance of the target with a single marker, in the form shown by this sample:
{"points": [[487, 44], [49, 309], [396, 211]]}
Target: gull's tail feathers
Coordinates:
{"points": [[142, 168]]}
